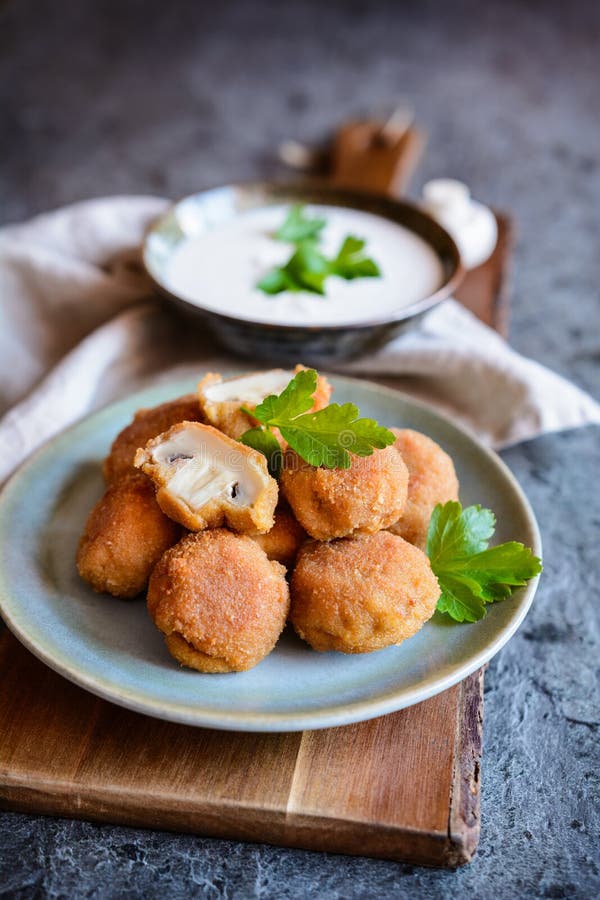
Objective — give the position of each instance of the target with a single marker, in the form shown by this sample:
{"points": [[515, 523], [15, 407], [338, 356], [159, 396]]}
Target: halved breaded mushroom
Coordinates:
{"points": [[205, 479], [221, 399], [362, 593], [431, 480], [146, 424], [332, 503], [219, 601], [124, 537]]}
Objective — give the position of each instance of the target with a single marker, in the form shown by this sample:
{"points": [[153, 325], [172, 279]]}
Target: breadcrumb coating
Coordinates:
{"points": [[124, 537], [431, 480], [219, 601], [362, 593], [284, 539], [146, 424], [332, 503]]}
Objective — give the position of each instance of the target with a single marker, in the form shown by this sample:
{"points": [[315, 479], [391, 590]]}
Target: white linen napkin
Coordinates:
{"points": [[79, 328]]}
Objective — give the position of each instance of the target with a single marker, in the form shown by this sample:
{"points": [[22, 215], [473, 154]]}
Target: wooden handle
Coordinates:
{"points": [[375, 156]]}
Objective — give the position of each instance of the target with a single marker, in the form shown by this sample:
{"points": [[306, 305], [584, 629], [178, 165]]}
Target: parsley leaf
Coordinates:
{"points": [[327, 437], [266, 443], [324, 438], [297, 227], [306, 270], [295, 399], [351, 262], [457, 532], [470, 573], [274, 282], [459, 602]]}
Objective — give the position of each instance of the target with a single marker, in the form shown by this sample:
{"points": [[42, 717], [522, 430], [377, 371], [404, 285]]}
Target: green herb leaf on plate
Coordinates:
{"points": [[324, 438], [296, 398], [470, 573], [454, 531], [266, 443], [327, 437]]}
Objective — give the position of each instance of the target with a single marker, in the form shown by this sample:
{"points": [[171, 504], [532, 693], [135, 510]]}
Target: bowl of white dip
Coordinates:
{"points": [[210, 252]]}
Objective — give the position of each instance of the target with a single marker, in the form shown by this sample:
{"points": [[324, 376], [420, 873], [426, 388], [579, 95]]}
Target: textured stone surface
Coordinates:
{"points": [[105, 97]]}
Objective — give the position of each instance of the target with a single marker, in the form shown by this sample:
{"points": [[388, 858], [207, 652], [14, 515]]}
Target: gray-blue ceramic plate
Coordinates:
{"points": [[111, 647]]}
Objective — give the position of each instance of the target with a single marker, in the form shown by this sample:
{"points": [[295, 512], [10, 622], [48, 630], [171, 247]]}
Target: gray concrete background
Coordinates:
{"points": [[128, 97]]}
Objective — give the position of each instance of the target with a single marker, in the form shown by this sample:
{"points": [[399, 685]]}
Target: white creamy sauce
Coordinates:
{"points": [[219, 269]]}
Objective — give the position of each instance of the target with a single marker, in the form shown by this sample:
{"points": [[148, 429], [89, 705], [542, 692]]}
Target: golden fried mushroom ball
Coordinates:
{"points": [[219, 601], [332, 503], [220, 399], [362, 593], [205, 479], [431, 480], [146, 424], [124, 537], [284, 539]]}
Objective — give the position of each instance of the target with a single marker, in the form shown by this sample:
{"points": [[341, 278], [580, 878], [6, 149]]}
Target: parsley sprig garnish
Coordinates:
{"points": [[351, 262], [307, 268], [324, 438], [470, 573], [298, 227]]}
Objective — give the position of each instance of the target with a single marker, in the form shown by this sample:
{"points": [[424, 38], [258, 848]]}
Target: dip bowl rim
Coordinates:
{"points": [[402, 212]]}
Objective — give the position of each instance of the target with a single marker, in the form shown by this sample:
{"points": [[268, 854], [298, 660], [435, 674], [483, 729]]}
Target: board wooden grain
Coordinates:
{"points": [[404, 786], [484, 289]]}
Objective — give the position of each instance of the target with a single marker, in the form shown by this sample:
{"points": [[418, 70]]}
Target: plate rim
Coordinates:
{"points": [[333, 715]]}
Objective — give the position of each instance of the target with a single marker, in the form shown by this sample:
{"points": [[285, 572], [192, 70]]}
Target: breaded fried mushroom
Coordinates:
{"points": [[219, 601], [124, 537], [362, 593], [221, 399], [431, 480], [205, 479], [146, 424], [284, 539], [332, 503]]}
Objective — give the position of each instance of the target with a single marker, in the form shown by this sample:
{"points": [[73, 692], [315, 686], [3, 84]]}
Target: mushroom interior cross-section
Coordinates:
{"points": [[205, 479], [222, 400]]}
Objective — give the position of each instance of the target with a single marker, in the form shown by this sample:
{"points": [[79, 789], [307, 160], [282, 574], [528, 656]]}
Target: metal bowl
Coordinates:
{"points": [[316, 344]]}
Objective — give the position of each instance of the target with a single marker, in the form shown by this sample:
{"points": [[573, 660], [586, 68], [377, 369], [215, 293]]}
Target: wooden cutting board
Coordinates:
{"points": [[404, 786]]}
